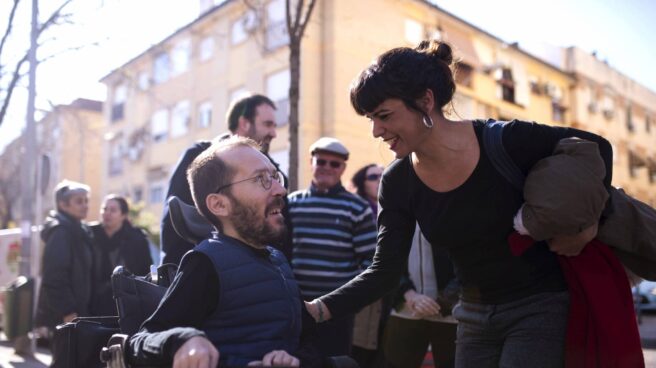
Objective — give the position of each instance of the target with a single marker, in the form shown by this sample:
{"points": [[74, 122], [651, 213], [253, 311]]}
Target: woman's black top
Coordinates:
{"points": [[472, 221]]}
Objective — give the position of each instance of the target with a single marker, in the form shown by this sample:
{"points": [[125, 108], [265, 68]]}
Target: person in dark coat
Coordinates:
{"points": [[67, 258], [252, 117], [116, 243]]}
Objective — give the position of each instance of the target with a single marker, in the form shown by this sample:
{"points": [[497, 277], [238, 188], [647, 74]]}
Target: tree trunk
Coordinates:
{"points": [[294, 93]]}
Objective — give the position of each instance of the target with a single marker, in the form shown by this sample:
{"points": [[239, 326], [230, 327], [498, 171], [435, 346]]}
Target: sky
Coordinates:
{"points": [[105, 34]]}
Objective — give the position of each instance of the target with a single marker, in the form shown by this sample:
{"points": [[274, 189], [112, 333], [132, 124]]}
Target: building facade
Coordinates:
{"points": [[179, 90], [611, 104], [69, 142]]}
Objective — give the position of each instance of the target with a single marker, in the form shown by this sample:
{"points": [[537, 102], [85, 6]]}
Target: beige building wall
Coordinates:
{"points": [[610, 104], [495, 80], [71, 137]]}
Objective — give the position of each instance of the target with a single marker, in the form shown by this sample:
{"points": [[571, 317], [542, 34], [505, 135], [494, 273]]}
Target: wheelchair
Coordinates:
{"points": [[138, 297]]}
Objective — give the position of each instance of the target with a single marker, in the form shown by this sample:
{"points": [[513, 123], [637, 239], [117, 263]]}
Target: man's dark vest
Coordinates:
{"points": [[259, 307]]}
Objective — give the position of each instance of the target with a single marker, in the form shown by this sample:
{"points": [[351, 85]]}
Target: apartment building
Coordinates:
{"points": [[178, 91], [69, 142], [609, 103]]}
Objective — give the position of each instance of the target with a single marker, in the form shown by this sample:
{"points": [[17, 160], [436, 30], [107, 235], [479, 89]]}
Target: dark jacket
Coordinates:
{"points": [[259, 308], [66, 270], [127, 247], [564, 194], [173, 246]]}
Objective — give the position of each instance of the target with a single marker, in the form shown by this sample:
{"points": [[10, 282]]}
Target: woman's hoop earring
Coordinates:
{"points": [[428, 121]]}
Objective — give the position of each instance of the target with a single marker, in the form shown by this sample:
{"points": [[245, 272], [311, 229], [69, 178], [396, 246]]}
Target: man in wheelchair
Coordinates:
{"points": [[234, 300]]}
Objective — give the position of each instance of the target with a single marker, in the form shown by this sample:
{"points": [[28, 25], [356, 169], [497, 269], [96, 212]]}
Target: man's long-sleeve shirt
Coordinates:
{"points": [[190, 300], [334, 236]]}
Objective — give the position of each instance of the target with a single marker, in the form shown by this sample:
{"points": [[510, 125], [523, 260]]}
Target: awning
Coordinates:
{"points": [[463, 48]]}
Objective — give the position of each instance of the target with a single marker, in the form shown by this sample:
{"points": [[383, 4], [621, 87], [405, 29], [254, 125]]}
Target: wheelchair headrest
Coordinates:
{"points": [[187, 222]]}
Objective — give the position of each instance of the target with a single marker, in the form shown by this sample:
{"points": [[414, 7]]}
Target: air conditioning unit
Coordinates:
{"points": [[592, 107]]}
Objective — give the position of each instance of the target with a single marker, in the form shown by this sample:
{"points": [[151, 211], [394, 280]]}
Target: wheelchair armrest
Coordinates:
{"points": [[187, 222]]}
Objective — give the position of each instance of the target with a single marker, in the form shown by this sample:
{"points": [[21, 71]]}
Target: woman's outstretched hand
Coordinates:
{"points": [[572, 245]]}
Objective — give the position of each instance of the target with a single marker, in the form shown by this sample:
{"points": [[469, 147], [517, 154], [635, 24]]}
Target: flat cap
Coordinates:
{"points": [[329, 145]]}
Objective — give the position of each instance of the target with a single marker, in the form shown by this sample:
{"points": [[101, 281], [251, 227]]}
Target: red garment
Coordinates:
{"points": [[602, 331]]}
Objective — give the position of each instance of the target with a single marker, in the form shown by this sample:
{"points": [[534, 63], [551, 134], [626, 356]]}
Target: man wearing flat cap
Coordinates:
{"points": [[333, 236]]}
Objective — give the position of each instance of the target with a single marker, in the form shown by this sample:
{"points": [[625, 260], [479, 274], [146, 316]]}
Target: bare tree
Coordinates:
{"points": [[297, 16], [10, 75]]}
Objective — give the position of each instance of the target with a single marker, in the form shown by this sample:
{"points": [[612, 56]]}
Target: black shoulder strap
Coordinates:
{"points": [[502, 162]]}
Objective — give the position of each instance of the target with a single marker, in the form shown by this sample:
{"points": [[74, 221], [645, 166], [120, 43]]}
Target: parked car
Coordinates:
{"points": [[645, 296]]}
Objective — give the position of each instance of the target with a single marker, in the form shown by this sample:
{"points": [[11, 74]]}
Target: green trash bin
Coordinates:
{"points": [[19, 304]]}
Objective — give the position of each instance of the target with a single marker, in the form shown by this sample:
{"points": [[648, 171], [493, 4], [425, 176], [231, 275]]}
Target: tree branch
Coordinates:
{"points": [[10, 24], [306, 18], [10, 88], [297, 18], [52, 19]]}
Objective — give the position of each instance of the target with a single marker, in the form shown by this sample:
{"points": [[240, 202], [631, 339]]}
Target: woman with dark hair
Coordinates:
{"points": [[366, 181], [116, 242], [513, 310]]}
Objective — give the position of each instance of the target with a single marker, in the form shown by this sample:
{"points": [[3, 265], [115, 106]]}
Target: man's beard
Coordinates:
{"points": [[264, 142], [254, 229]]}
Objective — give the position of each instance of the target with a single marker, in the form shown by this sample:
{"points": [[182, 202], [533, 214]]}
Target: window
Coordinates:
{"points": [[647, 124], [463, 106], [277, 88], [205, 114], [241, 28], [156, 193], [629, 119], [414, 31], [137, 195], [464, 74], [115, 157], [282, 159], [159, 125], [635, 162], [206, 48], [161, 69], [180, 57], [608, 107], [276, 32], [180, 119], [557, 112], [238, 93], [506, 84], [118, 103], [143, 80]]}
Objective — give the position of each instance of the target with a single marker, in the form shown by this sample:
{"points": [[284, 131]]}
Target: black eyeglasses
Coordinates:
{"points": [[373, 177], [265, 179], [322, 162]]}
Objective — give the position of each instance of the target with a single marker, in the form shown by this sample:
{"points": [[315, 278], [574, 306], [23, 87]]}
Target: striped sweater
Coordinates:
{"points": [[334, 237]]}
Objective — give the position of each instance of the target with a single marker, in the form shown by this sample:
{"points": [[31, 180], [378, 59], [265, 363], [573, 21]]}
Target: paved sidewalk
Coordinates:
{"points": [[8, 359]]}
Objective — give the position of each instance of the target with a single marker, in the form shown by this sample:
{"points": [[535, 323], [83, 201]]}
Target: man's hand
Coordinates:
{"points": [[420, 304], [70, 317], [572, 245], [318, 310], [197, 352], [276, 358]]}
